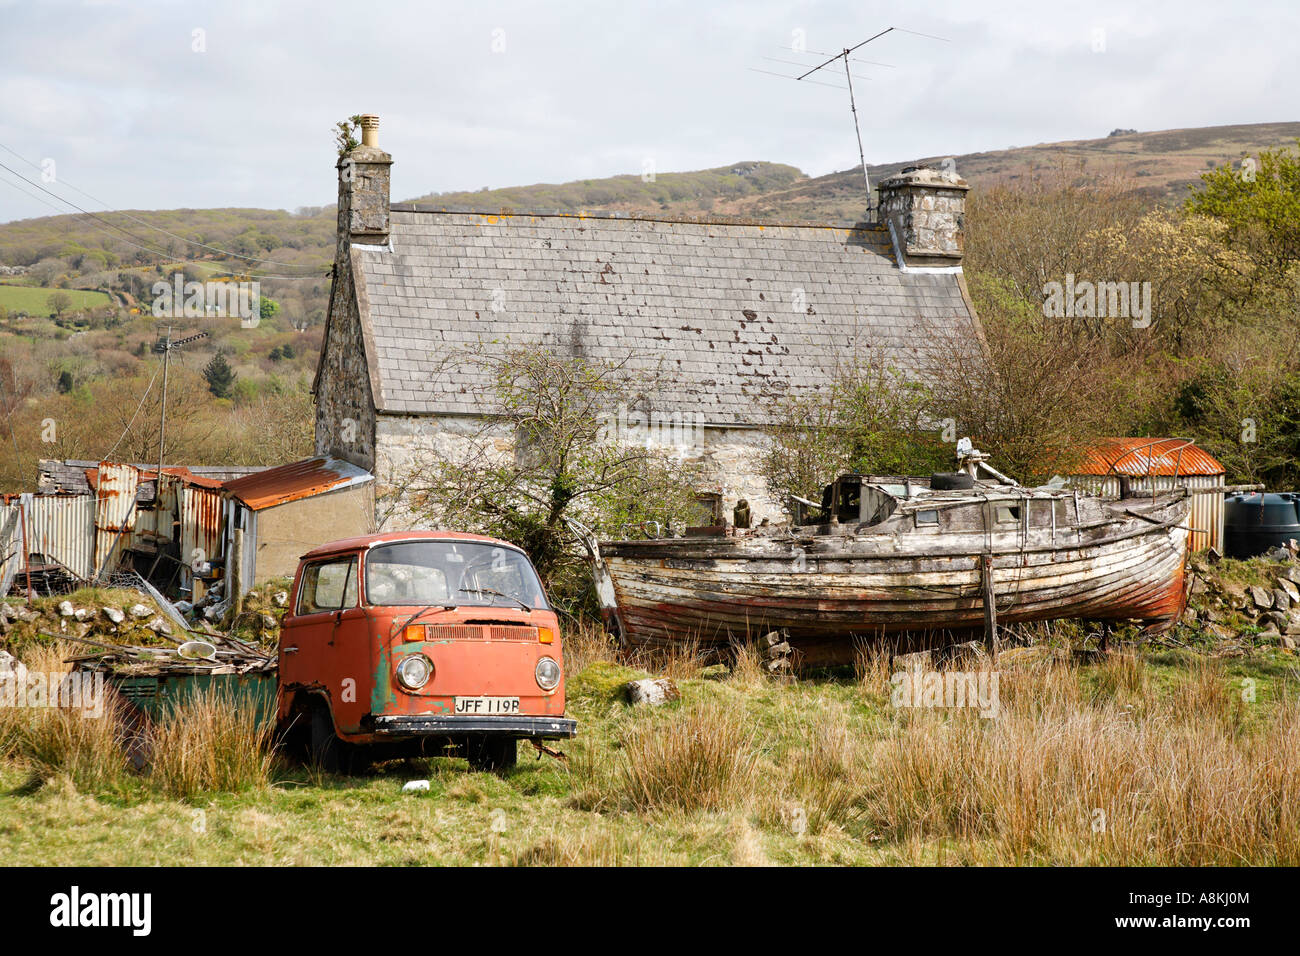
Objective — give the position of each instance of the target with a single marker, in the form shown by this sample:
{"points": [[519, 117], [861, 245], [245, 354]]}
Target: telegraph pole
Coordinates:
{"points": [[162, 421], [166, 347]]}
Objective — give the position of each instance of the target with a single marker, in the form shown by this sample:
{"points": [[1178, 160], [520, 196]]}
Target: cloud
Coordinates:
{"points": [[496, 94]]}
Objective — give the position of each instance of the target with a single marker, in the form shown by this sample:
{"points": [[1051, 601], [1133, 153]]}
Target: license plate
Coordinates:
{"points": [[487, 705]]}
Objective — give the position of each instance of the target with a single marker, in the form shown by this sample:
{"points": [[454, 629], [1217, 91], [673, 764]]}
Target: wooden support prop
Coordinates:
{"points": [[237, 572], [990, 606]]}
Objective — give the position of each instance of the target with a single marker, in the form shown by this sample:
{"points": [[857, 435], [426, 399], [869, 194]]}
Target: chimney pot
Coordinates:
{"points": [[369, 130]]}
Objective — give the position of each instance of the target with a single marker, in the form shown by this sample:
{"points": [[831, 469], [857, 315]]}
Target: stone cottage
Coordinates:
{"points": [[732, 313]]}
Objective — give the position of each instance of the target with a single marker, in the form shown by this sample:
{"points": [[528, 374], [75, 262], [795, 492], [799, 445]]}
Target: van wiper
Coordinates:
{"points": [[420, 613], [497, 594]]}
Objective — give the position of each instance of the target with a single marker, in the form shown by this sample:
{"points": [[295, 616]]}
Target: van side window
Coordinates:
{"points": [[328, 586]]}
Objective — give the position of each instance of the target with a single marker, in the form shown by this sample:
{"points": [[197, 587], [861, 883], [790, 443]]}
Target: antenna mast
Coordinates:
{"points": [[844, 55], [853, 106]]}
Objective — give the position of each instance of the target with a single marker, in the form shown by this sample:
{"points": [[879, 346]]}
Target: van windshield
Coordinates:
{"points": [[451, 573]]}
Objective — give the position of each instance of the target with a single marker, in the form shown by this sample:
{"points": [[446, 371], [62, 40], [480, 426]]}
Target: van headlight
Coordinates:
{"points": [[414, 671], [547, 673]]}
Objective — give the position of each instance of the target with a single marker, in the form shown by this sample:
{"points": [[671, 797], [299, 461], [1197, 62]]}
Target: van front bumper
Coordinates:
{"points": [[409, 725]]}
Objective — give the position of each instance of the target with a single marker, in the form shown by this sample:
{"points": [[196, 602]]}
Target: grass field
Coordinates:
{"points": [[36, 301], [1164, 756]]}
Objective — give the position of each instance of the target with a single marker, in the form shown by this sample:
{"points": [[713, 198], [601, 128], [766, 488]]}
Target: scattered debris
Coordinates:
{"points": [[66, 608], [197, 651], [114, 614], [139, 611]]}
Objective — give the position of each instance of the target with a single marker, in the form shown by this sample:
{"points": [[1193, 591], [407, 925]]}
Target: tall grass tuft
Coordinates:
{"points": [[53, 741], [701, 758], [1067, 778], [212, 740]]}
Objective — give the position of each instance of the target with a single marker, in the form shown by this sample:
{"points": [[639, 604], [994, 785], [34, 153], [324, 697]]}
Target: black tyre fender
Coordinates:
{"points": [[325, 749]]}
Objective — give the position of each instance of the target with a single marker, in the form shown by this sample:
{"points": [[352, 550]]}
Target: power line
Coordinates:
{"points": [[148, 225], [147, 389]]}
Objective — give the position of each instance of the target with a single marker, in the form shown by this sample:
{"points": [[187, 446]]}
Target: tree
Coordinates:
{"points": [[1259, 203], [59, 302], [550, 450], [870, 419], [268, 307], [219, 375], [66, 383]]}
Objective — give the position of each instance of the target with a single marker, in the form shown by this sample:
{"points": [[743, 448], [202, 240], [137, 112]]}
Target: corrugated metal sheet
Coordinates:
{"points": [[301, 479], [60, 528], [1149, 456], [1206, 518], [202, 513], [115, 510]]}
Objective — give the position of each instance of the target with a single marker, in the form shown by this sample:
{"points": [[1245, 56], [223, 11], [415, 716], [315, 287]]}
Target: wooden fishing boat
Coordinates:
{"points": [[919, 562]]}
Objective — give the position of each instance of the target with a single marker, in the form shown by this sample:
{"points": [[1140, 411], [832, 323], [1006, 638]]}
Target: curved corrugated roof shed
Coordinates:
{"points": [[1140, 457]]}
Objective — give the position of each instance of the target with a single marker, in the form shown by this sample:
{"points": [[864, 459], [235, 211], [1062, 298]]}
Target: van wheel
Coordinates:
{"points": [[328, 752], [492, 753]]}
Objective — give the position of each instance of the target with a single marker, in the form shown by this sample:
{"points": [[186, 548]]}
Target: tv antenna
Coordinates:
{"points": [[845, 55]]}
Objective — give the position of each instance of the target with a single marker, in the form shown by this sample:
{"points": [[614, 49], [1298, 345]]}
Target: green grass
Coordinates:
{"points": [[814, 771], [36, 301]]}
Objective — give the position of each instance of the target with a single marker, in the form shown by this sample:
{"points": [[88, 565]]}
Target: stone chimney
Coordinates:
{"points": [[363, 189], [925, 210]]}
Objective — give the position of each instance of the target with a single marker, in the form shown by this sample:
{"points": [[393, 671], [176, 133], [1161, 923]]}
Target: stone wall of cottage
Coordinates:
{"points": [[345, 413], [728, 458]]}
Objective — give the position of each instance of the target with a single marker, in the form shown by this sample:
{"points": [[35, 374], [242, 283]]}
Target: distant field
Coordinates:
{"points": [[17, 298]]}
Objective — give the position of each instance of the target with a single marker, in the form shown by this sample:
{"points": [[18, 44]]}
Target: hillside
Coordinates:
{"points": [[63, 356]]}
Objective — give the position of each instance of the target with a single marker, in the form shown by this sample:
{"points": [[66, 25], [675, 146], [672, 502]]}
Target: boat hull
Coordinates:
{"points": [[829, 601]]}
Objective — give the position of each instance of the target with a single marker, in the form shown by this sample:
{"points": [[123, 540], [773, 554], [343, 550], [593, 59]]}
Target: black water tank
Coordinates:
{"points": [[1256, 523]]}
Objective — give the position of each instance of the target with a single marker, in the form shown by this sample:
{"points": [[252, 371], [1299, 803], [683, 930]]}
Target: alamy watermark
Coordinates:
{"points": [[934, 689], [80, 691], [179, 299], [681, 431], [1098, 300]]}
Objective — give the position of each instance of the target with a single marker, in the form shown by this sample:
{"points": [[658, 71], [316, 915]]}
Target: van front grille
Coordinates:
{"points": [[481, 632]]}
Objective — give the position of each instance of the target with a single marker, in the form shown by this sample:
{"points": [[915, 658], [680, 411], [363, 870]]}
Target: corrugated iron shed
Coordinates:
{"points": [[300, 479], [1159, 464], [1163, 457]]}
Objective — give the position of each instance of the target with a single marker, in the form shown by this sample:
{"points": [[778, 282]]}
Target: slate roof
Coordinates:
{"points": [[730, 313]]}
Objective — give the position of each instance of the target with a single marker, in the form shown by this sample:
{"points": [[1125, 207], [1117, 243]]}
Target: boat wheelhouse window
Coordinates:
{"points": [[927, 517], [850, 503], [1008, 514]]}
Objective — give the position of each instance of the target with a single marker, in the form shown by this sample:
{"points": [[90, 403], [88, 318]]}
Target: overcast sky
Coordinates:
{"points": [[139, 110]]}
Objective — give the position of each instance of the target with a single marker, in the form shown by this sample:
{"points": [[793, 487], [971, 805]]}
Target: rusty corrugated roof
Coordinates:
{"points": [[301, 479], [1149, 456]]}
